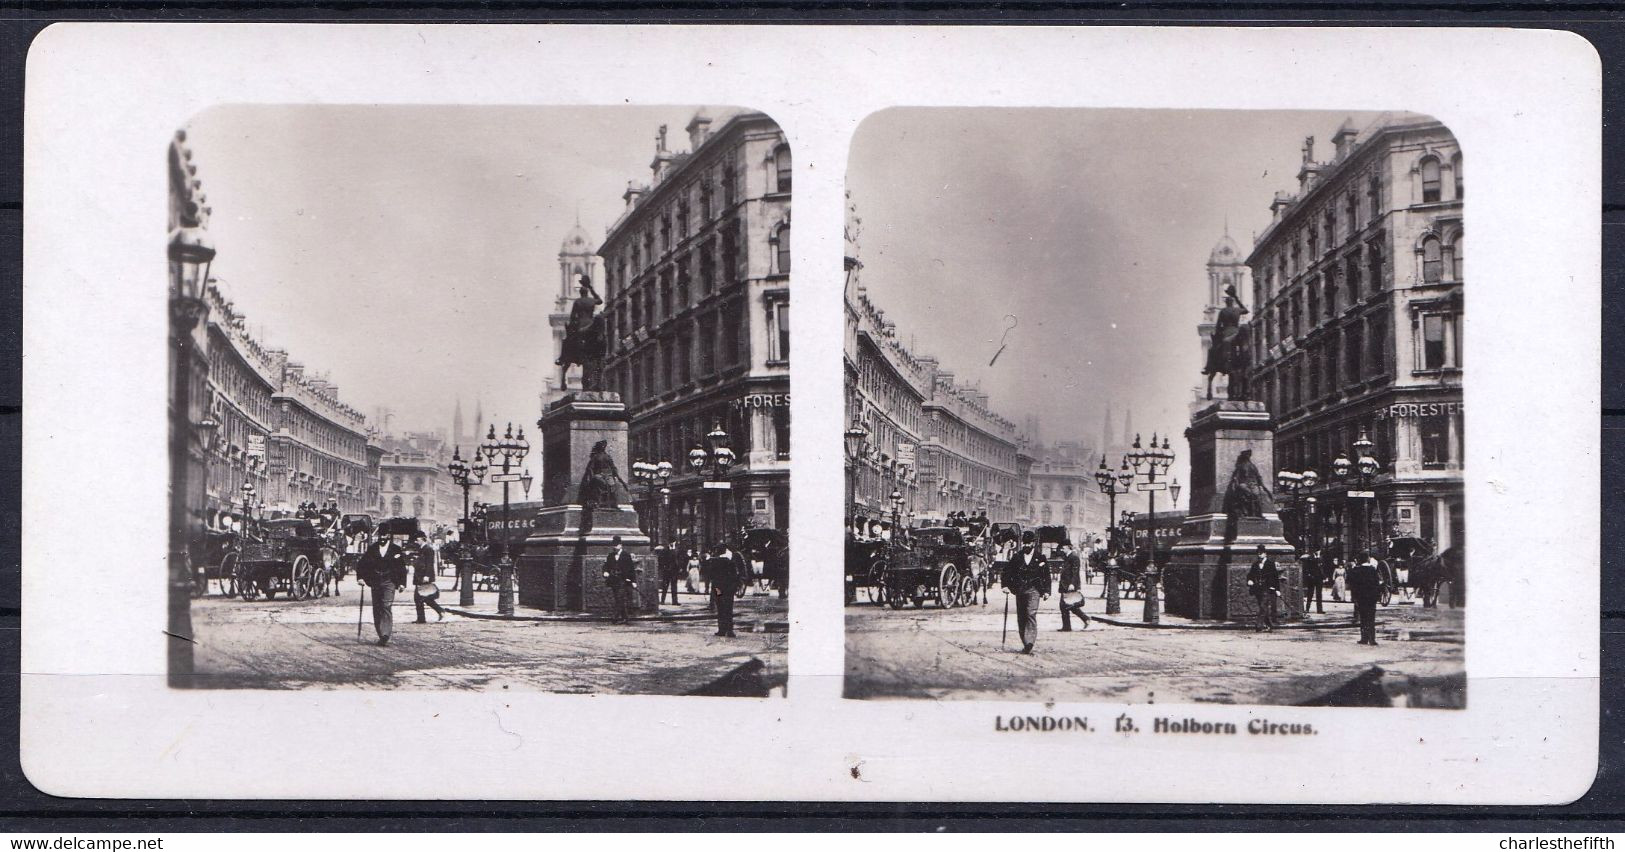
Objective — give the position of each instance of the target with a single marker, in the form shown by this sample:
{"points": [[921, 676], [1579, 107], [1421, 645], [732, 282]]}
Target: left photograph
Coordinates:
{"points": [[479, 398]]}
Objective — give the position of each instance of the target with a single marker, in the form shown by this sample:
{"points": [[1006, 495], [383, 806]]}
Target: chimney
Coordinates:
{"points": [[1280, 205], [1310, 172], [662, 161], [699, 128], [633, 194], [1343, 140]]}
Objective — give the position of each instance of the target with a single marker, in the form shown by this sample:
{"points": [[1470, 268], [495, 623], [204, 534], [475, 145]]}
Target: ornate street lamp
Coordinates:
{"points": [[1361, 470], [711, 466], [190, 255], [509, 451], [1111, 485], [465, 476], [896, 510], [856, 435], [652, 476], [1293, 484], [1150, 463]]}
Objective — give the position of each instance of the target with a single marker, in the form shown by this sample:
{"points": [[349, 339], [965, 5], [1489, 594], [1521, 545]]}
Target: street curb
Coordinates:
{"points": [[581, 617], [1228, 625]]}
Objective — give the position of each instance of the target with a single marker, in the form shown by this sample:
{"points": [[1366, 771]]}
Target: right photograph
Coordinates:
{"points": [[1155, 406]]}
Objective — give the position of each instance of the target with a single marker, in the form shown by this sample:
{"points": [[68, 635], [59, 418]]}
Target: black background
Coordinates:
{"points": [[23, 808]]}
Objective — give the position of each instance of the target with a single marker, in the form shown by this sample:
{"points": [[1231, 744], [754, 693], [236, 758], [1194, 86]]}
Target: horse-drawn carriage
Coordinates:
{"points": [[1415, 570], [287, 556], [767, 552], [937, 564]]}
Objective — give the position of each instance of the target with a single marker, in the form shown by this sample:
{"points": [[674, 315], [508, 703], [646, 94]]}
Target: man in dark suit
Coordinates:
{"points": [[721, 572], [1071, 584], [670, 570], [382, 568], [1314, 582], [1365, 586], [621, 574], [1264, 581], [1027, 577], [424, 591]]}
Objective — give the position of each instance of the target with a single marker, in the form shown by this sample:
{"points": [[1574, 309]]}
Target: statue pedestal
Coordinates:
{"points": [[1206, 576], [562, 566]]}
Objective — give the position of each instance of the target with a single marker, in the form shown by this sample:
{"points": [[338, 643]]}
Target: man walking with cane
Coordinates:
{"points": [[383, 570], [1264, 581], [1027, 577]]}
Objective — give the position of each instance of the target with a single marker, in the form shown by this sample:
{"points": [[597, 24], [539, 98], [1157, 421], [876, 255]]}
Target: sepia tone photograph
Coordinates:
{"points": [[1155, 406], [471, 398]]}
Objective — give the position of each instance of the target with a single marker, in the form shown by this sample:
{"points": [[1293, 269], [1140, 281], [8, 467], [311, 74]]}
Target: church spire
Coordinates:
{"points": [[1106, 442], [457, 424]]}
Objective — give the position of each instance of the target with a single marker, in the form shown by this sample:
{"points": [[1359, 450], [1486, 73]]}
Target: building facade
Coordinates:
{"points": [[931, 440], [415, 481], [1356, 329], [318, 452], [242, 378], [697, 310], [1064, 490]]}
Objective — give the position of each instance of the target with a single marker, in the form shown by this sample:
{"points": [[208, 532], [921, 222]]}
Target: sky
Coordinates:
{"points": [[411, 252], [1087, 230]]}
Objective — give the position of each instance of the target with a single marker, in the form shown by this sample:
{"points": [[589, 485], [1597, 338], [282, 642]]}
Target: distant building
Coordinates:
{"points": [[1356, 326], [697, 309], [319, 449], [1064, 490], [416, 483]]}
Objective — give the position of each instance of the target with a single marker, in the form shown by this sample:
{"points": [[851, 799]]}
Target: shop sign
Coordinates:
{"points": [[765, 400], [1418, 409], [905, 453]]}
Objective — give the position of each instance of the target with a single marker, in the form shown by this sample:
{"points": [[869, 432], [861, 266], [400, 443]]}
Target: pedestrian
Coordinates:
{"points": [[691, 560], [721, 571], [1365, 582], [1314, 582], [621, 575], [1071, 588], [424, 590], [1264, 581], [1026, 577], [382, 568], [1340, 575], [670, 570]]}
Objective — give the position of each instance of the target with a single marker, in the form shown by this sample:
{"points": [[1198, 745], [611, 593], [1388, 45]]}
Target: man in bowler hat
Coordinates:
{"points": [[1071, 583], [1365, 584], [721, 573], [383, 569], [1027, 577], [1264, 582], [621, 574]]}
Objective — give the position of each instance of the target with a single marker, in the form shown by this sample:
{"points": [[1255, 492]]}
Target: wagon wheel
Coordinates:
{"points": [[301, 578], [200, 577], [1387, 596], [228, 575], [243, 576], [948, 587], [896, 594]]}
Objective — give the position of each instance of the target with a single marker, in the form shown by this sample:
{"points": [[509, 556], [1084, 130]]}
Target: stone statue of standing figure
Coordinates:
{"points": [[584, 339], [1225, 351], [601, 484]]}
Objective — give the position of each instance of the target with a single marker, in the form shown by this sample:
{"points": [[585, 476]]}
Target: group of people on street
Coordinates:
{"points": [[1027, 578], [723, 571], [382, 569], [1364, 580]]}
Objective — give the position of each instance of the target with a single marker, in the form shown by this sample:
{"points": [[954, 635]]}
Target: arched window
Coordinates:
{"points": [[1066, 515], [1045, 491], [1430, 180], [1066, 493], [417, 507], [1455, 168], [395, 506], [1432, 260], [1049, 514], [781, 248], [781, 167], [417, 483], [395, 482]]}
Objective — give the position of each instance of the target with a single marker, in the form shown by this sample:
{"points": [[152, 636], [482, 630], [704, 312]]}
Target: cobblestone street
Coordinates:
{"points": [[312, 644], [956, 653]]}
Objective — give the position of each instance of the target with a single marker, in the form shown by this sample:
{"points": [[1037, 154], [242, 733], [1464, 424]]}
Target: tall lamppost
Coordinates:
{"points": [[1112, 485], [509, 451], [711, 465], [896, 513], [190, 254], [856, 436], [1292, 484], [652, 476], [466, 475], [1361, 470], [1149, 463]]}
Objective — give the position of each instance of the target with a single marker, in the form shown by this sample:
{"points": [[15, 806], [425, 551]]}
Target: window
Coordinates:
{"points": [[1352, 212], [705, 200], [417, 483], [1313, 242], [1314, 303], [1373, 196], [708, 354], [781, 430], [781, 165], [1377, 342], [1457, 260], [395, 483], [395, 506], [1066, 494], [417, 507], [1373, 266], [1354, 354], [1049, 514], [1331, 297], [778, 331], [1434, 432], [1432, 260], [1430, 180], [781, 249], [1331, 229], [1066, 515], [731, 353], [1351, 278], [1455, 168], [1435, 351], [1045, 491]]}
